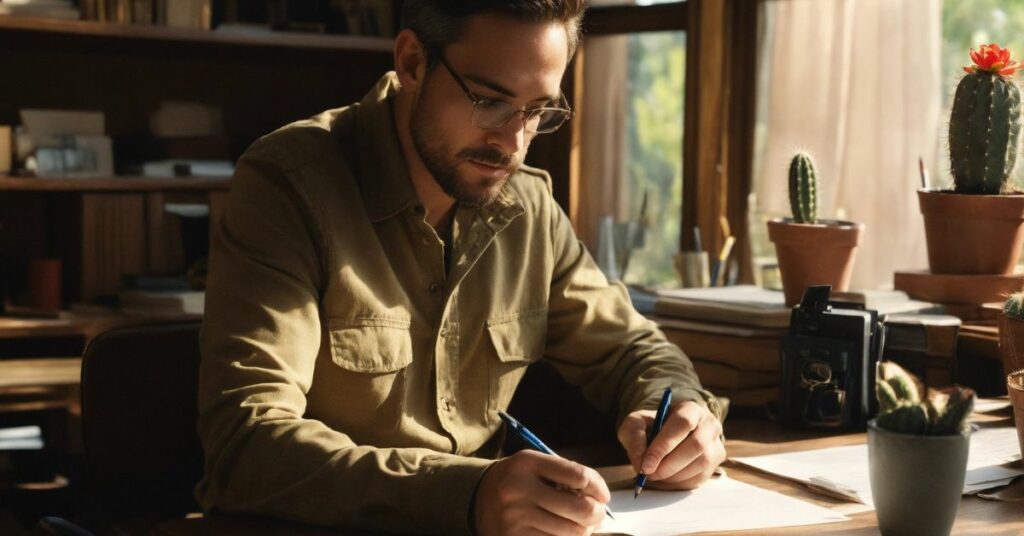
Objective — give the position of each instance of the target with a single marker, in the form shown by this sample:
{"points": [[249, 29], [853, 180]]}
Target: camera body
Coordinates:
{"points": [[828, 364]]}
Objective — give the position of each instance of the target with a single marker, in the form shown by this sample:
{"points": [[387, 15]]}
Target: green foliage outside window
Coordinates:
{"points": [[654, 145], [967, 24]]}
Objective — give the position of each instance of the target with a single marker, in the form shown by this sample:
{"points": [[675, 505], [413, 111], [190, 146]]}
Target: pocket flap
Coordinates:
{"points": [[521, 336], [371, 345]]}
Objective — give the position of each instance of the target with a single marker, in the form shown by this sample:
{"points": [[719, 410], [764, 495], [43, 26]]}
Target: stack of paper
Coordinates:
{"points": [[720, 504], [843, 471]]}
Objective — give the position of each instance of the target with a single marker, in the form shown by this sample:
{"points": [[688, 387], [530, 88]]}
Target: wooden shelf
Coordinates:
{"points": [[87, 325], [163, 34], [113, 184]]}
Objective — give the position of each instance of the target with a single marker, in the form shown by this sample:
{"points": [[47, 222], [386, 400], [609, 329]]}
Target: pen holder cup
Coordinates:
{"points": [[692, 268]]}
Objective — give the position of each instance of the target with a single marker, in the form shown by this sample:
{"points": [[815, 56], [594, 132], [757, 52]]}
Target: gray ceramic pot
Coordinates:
{"points": [[916, 481]]}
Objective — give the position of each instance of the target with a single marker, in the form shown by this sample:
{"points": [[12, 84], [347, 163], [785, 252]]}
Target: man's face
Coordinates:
{"points": [[499, 59]]}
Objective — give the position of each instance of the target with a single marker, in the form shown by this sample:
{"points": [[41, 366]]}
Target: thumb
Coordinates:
{"points": [[633, 436]]}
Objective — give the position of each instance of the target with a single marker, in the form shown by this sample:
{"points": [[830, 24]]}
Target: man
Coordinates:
{"points": [[383, 276]]}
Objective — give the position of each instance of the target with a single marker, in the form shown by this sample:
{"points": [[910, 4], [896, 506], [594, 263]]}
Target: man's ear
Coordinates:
{"points": [[410, 59]]}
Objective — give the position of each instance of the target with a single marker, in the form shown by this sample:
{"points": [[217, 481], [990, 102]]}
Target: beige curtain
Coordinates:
{"points": [[603, 188], [856, 83]]}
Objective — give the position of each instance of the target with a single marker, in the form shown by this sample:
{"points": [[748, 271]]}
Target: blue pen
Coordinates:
{"points": [[527, 436], [659, 420]]}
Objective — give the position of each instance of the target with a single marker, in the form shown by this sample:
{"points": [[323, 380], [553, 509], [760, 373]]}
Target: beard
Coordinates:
{"points": [[436, 154]]}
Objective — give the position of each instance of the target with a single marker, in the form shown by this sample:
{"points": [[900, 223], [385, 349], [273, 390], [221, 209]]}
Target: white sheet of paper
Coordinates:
{"points": [[989, 405], [720, 504], [843, 471]]}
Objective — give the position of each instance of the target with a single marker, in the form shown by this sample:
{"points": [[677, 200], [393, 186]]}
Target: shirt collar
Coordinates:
{"points": [[383, 174]]}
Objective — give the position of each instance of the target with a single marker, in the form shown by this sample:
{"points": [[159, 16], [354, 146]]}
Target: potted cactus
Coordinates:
{"points": [[1015, 388], [978, 227], [917, 453], [1011, 333], [811, 251]]}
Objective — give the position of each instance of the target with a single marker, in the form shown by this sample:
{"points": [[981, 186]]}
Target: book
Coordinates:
{"points": [[717, 328], [748, 398], [744, 353], [885, 302], [51, 9], [746, 305], [21, 438], [188, 168], [717, 375], [925, 345], [749, 305]]}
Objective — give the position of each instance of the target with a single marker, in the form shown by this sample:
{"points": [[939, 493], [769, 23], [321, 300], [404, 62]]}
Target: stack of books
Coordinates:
{"points": [[733, 334]]}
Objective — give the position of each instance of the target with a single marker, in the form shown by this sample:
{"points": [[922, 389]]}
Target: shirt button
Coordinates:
{"points": [[434, 287], [446, 404], [443, 333]]}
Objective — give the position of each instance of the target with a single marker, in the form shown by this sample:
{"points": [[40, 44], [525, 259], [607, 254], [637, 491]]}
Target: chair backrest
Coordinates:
{"points": [[142, 453]]}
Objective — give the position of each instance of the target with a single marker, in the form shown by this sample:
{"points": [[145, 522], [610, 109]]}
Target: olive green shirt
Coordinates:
{"points": [[346, 378]]}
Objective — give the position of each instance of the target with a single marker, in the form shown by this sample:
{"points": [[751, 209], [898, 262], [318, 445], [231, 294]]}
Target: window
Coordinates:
{"points": [[632, 142]]}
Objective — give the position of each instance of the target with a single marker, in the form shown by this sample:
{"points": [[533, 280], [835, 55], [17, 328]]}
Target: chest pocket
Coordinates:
{"points": [[363, 387], [518, 340], [371, 345]]}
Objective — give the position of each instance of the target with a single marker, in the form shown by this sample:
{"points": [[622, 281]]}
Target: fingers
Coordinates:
{"points": [[691, 457], [572, 475], [579, 509], [633, 435], [681, 420], [534, 493]]}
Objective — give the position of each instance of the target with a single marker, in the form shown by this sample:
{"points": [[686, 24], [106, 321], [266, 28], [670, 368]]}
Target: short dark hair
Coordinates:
{"points": [[439, 23]]}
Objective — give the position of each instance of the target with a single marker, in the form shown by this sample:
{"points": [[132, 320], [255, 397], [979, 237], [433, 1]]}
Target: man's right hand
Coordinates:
{"points": [[534, 493]]}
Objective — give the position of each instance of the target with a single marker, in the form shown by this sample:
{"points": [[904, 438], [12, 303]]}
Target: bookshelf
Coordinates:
{"points": [[114, 184], [105, 228]]}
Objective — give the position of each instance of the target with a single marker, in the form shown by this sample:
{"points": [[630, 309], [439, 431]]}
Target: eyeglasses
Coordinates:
{"points": [[492, 114]]}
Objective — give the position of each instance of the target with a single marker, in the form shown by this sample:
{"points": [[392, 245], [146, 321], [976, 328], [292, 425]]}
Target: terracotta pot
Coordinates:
{"points": [[972, 234], [1015, 388], [814, 254], [1011, 343]]}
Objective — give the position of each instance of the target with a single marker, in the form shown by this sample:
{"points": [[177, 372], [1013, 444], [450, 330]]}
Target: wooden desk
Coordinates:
{"points": [[745, 438]]}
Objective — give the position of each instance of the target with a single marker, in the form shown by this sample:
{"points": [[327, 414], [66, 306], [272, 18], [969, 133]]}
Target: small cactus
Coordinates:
{"points": [[902, 409], [1014, 307], [803, 189], [984, 126]]}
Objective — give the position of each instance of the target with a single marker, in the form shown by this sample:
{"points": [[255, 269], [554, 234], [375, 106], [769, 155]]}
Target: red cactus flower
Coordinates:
{"points": [[994, 59]]}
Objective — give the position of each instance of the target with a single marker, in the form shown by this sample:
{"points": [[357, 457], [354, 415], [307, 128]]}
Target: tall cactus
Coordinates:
{"points": [[803, 189], [904, 410], [984, 126]]}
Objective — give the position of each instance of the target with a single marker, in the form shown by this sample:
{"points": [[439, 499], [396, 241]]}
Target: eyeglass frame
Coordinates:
{"points": [[521, 112]]}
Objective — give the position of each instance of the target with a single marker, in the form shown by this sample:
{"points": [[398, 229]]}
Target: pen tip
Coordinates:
{"points": [[637, 491]]}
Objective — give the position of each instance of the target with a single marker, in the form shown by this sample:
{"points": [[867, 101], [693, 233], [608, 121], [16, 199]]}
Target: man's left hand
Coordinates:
{"points": [[683, 455]]}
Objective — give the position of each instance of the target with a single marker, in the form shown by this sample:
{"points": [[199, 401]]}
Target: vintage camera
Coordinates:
{"points": [[828, 364]]}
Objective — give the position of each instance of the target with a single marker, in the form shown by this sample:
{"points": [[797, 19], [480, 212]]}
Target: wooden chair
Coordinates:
{"points": [[142, 452]]}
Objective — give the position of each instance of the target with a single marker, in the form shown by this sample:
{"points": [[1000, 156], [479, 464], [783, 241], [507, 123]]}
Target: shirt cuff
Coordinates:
{"points": [[447, 489]]}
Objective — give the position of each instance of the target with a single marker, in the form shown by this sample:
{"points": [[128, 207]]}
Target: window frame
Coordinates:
{"points": [[719, 114]]}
